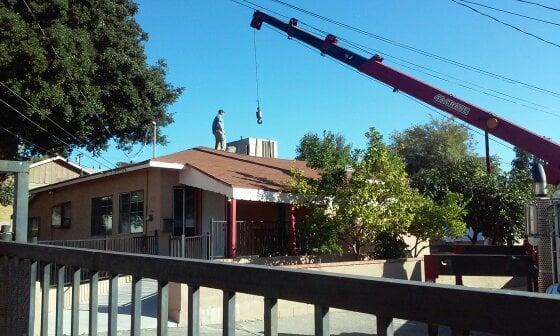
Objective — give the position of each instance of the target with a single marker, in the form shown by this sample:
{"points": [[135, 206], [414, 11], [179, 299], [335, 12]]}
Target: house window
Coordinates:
{"points": [[131, 212], [33, 226], [61, 215], [102, 216], [184, 211]]}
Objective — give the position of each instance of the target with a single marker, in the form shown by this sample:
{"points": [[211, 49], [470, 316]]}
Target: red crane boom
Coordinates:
{"points": [[535, 144]]}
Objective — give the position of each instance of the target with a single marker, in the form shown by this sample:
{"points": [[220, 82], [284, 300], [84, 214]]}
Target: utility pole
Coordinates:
{"points": [[487, 147], [154, 139], [79, 161]]}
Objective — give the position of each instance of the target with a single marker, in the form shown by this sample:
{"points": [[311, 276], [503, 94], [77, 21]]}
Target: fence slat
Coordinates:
{"points": [[162, 311], [194, 310], [32, 298], [270, 317], [75, 314], [45, 286], [93, 301], [113, 303], [229, 313], [136, 306], [384, 326], [322, 327], [60, 272]]}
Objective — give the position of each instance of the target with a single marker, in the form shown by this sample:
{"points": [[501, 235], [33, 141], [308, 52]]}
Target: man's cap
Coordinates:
{"points": [[221, 111]]}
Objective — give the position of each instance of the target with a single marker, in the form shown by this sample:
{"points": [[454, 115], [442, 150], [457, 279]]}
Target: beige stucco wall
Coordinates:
{"points": [[5, 215], [213, 206], [157, 185]]}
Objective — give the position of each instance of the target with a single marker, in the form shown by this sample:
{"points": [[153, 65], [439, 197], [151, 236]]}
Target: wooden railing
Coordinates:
{"points": [[128, 243], [262, 238], [194, 247], [496, 311]]}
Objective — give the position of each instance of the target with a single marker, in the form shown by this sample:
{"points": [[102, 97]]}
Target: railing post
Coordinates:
{"points": [[163, 306], [182, 245], [194, 310], [228, 313], [93, 302], [322, 327], [75, 316], [384, 326], [45, 287], [32, 293], [113, 304], [60, 271], [270, 317], [136, 313]]}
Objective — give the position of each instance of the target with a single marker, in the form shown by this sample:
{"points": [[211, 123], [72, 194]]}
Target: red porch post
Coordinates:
{"points": [[232, 228], [292, 231]]}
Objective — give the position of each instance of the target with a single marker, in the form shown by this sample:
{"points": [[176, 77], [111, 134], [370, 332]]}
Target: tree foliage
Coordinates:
{"points": [[82, 64], [6, 190], [362, 205], [429, 145]]}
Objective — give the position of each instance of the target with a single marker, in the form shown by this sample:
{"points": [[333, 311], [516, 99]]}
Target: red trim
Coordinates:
{"points": [[431, 267], [232, 228]]}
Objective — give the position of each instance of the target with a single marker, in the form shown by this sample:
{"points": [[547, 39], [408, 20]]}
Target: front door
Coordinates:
{"points": [[184, 211]]}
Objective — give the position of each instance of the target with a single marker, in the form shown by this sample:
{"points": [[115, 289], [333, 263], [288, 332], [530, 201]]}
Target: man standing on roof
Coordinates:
{"points": [[219, 131]]}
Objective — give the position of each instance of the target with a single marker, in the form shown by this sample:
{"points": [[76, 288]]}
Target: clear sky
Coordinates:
{"points": [[208, 46]]}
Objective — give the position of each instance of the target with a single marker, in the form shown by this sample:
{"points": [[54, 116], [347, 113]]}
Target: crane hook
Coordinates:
{"points": [[259, 115]]}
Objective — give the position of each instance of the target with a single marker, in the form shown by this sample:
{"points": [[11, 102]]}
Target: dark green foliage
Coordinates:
{"points": [[318, 234], [88, 71], [388, 245]]}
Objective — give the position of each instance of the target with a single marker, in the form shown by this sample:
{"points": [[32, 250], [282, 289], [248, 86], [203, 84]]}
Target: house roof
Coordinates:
{"points": [[240, 170], [65, 162], [235, 170]]}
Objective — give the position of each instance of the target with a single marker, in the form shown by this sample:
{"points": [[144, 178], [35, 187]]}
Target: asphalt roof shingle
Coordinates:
{"points": [[239, 170]]}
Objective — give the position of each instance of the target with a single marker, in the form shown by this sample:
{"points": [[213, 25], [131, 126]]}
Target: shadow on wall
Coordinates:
{"points": [[395, 269]]}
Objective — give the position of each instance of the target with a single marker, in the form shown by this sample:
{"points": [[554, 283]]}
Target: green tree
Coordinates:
{"points": [[81, 64], [6, 190], [375, 197], [435, 221], [432, 144], [494, 205]]}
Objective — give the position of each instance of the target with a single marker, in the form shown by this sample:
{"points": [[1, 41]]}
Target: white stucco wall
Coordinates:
{"points": [[213, 206]]}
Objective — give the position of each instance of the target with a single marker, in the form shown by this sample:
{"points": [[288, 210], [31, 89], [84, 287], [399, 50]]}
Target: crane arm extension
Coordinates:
{"points": [[535, 144]]}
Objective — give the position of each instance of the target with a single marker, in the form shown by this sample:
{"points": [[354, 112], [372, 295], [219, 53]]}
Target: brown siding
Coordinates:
{"points": [[49, 173], [156, 183]]}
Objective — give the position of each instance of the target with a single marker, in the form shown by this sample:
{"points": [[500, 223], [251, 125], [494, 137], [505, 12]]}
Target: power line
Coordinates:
{"points": [[511, 13], [419, 51], [48, 118], [539, 5], [470, 85], [481, 89], [46, 131], [506, 24], [449, 117], [22, 138]]}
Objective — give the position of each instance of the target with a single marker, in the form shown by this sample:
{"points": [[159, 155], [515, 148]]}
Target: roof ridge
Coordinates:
{"points": [[214, 151], [204, 150]]}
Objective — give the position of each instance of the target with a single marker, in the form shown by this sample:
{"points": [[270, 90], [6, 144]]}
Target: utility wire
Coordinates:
{"points": [[19, 137], [455, 80], [449, 117], [105, 127], [511, 13], [539, 5], [418, 50], [509, 98], [506, 24], [49, 133]]}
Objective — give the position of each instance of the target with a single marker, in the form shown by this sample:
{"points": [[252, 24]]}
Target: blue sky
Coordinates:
{"points": [[208, 46]]}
